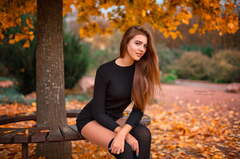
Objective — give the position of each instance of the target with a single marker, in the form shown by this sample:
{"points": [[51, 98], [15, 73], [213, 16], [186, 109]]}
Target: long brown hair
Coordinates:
{"points": [[146, 76]]}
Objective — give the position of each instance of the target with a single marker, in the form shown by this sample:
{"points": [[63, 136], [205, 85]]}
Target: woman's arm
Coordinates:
{"points": [[129, 123], [134, 117]]}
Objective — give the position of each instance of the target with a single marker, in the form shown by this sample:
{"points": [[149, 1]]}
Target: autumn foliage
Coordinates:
{"points": [[104, 16], [180, 130]]}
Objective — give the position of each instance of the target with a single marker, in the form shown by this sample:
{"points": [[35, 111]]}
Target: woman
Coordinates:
{"points": [[132, 77]]}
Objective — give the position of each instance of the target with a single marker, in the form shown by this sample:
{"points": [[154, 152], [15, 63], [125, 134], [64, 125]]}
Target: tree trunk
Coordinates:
{"points": [[50, 76]]}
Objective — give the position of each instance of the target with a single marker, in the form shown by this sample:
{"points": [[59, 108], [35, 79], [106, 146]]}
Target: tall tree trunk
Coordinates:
{"points": [[50, 76]]}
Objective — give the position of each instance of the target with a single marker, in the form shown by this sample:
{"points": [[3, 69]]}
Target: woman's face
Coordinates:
{"points": [[137, 47]]}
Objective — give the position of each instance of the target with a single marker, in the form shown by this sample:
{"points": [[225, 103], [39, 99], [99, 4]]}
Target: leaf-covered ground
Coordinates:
{"points": [[188, 122]]}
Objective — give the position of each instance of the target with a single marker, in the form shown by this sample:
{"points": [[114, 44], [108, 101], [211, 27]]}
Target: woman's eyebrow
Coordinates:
{"points": [[140, 41]]}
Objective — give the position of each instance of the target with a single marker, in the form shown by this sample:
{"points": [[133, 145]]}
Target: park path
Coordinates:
{"points": [[197, 93]]}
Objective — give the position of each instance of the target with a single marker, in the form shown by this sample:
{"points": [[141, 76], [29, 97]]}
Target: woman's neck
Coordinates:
{"points": [[124, 61]]}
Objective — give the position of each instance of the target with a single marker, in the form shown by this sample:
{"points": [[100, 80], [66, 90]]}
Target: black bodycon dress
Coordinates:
{"points": [[112, 94]]}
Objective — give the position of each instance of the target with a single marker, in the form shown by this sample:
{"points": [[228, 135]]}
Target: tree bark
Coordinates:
{"points": [[50, 76]]}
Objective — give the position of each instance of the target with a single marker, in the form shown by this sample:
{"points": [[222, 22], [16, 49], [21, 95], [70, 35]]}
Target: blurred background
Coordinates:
{"points": [[209, 57]]}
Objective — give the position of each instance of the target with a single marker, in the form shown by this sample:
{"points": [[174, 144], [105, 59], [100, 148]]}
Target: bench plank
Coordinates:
{"points": [[39, 134], [4, 119], [21, 137], [74, 127], [8, 136], [55, 136], [42, 134], [17, 118], [69, 134]]}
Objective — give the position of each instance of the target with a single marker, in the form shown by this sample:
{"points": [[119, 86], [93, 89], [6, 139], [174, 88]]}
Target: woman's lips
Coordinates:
{"points": [[139, 55]]}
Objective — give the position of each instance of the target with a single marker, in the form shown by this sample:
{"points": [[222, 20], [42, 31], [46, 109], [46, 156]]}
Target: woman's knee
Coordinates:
{"points": [[128, 152], [142, 133]]}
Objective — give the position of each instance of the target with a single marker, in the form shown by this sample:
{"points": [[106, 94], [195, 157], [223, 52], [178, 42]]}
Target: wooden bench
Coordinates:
{"points": [[25, 136]]}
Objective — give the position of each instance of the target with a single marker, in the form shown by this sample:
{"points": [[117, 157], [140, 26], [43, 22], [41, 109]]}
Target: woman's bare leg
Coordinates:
{"points": [[98, 134]]}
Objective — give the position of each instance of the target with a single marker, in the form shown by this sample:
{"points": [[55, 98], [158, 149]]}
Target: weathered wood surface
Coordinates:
{"points": [[38, 135], [41, 134], [44, 134], [5, 119]]}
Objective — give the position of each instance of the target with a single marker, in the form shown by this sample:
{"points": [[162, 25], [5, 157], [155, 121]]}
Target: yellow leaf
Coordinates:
{"points": [[191, 31], [26, 44], [166, 34], [185, 21], [31, 37], [207, 16], [1, 36], [230, 25], [174, 35], [12, 41], [143, 13]]}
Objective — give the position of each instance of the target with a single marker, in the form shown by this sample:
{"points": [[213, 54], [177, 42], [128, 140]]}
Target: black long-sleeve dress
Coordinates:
{"points": [[112, 94]]}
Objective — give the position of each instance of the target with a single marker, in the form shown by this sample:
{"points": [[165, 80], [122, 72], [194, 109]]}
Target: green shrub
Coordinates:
{"points": [[192, 65], [169, 77], [76, 59], [225, 66], [78, 97], [206, 50], [166, 56], [104, 49], [20, 62], [10, 94], [99, 57]]}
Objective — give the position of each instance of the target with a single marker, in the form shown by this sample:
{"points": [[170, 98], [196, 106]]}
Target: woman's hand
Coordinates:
{"points": [[132, 141], [117, 145]]}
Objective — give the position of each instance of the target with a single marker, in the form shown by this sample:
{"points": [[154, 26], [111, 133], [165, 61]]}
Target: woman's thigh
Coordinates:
{"points": [[97, 134]]}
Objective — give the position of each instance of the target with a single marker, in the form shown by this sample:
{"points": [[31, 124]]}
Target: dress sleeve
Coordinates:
{"points": [[134, 117], [98, 102]]}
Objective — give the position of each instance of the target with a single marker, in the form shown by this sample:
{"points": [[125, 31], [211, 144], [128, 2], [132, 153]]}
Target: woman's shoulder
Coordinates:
{"points": [[106, 67]]}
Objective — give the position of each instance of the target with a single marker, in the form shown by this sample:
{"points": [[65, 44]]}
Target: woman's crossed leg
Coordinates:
{"points": [[99, 135]]}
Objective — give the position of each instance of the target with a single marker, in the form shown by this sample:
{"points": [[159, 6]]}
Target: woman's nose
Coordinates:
{"points": [[142, 48]]}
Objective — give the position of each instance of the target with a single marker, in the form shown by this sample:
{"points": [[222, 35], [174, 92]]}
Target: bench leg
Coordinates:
{"points": [[25, 150]]}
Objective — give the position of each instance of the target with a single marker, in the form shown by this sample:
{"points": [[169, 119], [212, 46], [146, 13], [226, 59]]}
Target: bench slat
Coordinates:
{"points": [[7, 137], [74, 127], [6, 130], [21, 137], [55, 135], [38, 134], [20, 117], [69, 134], [4, 119]]}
